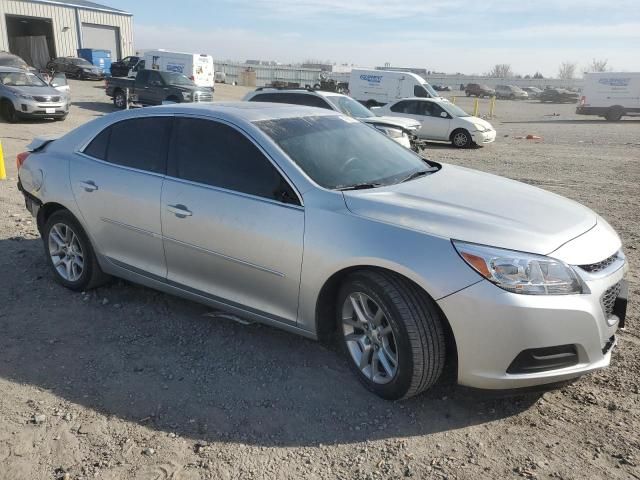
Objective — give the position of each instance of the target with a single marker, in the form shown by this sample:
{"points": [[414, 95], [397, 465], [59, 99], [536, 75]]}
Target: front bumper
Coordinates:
{"points": [[492, 327], [480, 138], [34, 109]]}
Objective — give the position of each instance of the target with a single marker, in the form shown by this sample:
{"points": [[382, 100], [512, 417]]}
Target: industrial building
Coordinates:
{"points": [[38, 30]]}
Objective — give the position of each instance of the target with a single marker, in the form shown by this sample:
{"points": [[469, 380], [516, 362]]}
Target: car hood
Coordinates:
{"points": [[472, 206], [406, 123], [39, 91], [476, 120]]}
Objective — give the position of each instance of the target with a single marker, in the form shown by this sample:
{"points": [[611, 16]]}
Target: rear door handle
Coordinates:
{"points": [[179, 210], [89, 186]]}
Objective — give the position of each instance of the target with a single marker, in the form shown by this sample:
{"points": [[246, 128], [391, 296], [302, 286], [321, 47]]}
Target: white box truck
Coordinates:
{"points": [[611, 95], [198, 67], [379, 87]]}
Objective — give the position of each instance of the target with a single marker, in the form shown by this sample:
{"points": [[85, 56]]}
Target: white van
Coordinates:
{"points": [[610, 95], [198, 67], [379, 87]]}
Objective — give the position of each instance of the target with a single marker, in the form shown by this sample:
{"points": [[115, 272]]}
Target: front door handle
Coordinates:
{"points": [[89, 186], [179, 211]]}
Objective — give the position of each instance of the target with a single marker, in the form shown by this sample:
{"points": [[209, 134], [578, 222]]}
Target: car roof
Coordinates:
{"points": [[237, 111], [11, 69], [422, 99], [302, 91]]}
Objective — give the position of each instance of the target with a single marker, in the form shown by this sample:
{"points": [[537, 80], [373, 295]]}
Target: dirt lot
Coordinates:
{"points": [[127, 383]]}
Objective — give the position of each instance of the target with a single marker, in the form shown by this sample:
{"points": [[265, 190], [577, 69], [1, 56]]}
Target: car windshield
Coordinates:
{"points": [[338, 152], [21, 79], [431, 91], [349, 106], [454, 110], [172, 78], [81, 62], [515, 89]]}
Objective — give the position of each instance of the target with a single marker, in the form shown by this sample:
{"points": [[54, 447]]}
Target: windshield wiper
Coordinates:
{"points": [[417, 174], [359, 186]]}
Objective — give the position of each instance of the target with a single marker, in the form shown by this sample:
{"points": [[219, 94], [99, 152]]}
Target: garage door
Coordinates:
{"points": [[101, 37]]}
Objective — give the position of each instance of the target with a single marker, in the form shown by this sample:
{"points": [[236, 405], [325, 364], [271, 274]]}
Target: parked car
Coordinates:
{"points": [[24, 94], [533, 92], [310, 221], [122, 67], [477, 90], [151, 87], [74, 67], [511, 92], [402, 130], [442, 121], [558, 95], [442, 88], [611, 95], [378, 87]]}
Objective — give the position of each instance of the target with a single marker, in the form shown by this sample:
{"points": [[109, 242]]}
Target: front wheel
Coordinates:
{"points": [[461, 139], [392, 334], [70, 253], [9, 112]]}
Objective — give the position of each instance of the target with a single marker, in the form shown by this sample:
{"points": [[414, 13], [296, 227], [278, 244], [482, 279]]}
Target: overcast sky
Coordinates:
{"points": [[440, 35]]}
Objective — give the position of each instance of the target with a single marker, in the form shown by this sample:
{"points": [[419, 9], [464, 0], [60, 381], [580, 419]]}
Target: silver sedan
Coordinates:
{"points": [[311, 221]]}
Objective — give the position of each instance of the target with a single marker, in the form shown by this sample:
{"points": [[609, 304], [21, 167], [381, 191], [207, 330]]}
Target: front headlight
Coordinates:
{"points": [[479, 127], [186, 95], [25, 97], [520, 272], [390, 132]]}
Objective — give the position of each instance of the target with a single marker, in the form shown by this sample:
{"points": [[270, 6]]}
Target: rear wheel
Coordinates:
{"points": [[461, 139], [120, 99], [614, 114], [392, 334], [8, 111], [70, 253], [370, 103]]}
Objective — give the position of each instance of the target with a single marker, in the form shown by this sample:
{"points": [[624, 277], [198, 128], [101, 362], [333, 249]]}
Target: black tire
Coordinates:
{"points": [[461, 138], [370, 103], [468, 94], [614, 114], [8, 111], [92, 275], [173, 99], [417, 328], [120, 99]]}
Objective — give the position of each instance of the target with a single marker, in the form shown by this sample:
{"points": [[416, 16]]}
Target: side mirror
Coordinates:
{"points": [[444, 114], [58, 80]]}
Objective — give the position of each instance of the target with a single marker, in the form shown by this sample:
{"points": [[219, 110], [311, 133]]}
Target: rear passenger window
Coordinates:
{"points": [[293, 99], [140, 143], [98, 146], [215, 154]]}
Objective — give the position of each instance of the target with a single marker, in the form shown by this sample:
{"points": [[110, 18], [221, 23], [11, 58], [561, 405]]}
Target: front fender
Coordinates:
{"points": [[338, 239]]}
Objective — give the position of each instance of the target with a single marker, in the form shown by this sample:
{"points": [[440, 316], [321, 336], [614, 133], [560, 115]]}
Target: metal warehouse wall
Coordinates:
{"points": [[66, 41]]}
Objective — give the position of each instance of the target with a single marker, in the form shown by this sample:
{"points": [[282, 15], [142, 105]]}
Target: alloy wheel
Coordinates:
{"points": [[66, 252], [369, 338], [460, 139]]}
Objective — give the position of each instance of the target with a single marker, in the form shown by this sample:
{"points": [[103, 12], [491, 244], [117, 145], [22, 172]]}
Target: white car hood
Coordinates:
{"points": [[464, 204], [402, 122], [476, 120]]}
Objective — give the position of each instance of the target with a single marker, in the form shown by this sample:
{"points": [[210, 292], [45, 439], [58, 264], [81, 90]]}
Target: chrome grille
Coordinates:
{"points": [[599, 266], [46, 99], [609, 298], [202, 97]]}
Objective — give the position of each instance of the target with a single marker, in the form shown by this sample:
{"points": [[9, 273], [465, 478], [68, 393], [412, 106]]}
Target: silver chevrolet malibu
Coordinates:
{"points": [[311, 221]]}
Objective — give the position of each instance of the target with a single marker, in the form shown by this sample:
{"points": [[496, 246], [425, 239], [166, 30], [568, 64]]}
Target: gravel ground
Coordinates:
{"points": [[127, 383]]}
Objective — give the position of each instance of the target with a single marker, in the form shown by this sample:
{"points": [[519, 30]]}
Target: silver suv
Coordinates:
{"points": [[401, 129], [311, 221], [23, 94]]}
